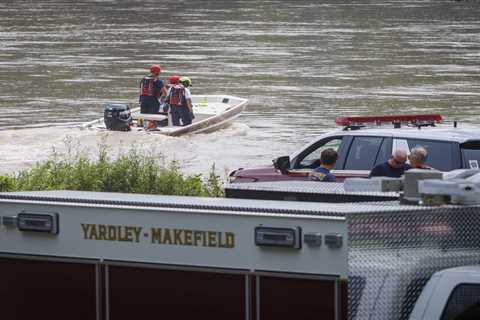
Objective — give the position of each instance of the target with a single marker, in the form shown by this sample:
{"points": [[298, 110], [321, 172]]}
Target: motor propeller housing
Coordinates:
{"points": [[117, 117]]}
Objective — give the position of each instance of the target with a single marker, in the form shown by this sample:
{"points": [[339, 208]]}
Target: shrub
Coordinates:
{"points": [[131, 172], [7, 184]]}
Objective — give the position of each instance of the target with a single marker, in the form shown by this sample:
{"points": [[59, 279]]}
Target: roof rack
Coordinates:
{"points": [[417, 120]]}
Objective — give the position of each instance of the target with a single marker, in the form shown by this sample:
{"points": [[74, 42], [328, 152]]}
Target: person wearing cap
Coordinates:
{"points": [[180, 101], [187, 83], [171, 81], [151, 89], [395, 167]]}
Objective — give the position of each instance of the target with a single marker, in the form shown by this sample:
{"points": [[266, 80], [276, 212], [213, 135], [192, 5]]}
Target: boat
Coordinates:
{"points": [[212, 112]]}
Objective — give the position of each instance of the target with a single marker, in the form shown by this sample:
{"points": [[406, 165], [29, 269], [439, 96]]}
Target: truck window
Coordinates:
{"points": [[363, 152], [385, 151], [311, 158], [464, 303], [471, 154], [440, 153]]}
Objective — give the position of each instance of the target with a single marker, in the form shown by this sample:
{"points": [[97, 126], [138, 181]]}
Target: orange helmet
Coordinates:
{"points": [[155, 69], [173, 79]]}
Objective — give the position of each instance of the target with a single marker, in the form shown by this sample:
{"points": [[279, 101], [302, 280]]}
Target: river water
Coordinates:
{"points": [[300, 64]]}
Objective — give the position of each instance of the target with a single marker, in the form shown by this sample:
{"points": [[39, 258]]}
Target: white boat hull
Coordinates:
{"points": [[212, 112]]}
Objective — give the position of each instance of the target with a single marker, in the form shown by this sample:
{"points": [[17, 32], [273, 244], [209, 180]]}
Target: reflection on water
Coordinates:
{"points": [[301, 64]]}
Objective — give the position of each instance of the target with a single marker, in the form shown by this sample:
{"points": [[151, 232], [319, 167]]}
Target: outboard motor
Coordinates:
{"points": [[117, 117]]}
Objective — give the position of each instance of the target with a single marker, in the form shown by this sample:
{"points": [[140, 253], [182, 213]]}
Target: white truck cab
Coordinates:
{"points": [[364, 143], [450, 294]]}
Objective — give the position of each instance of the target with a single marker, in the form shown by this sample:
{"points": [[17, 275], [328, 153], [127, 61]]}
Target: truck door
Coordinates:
{"points": [[147, 292], [442, 155], [50, 289], [364, 153], [310, 158], [298, 298]]}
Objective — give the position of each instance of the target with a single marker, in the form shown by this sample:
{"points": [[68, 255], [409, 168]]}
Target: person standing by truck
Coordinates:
{"points": [[151, 89], [328, 158], [395, 167], [418, 157]]}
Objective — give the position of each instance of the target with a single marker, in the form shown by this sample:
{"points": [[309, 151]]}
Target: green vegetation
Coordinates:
{"points": [[132, 172], [7, 184]]}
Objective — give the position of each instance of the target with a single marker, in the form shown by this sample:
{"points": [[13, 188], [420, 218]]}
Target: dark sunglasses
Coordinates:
{"points": [[398, 162]]}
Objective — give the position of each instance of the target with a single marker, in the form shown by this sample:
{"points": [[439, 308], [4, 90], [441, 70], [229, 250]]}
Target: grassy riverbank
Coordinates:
{"points": [[131, 172]]}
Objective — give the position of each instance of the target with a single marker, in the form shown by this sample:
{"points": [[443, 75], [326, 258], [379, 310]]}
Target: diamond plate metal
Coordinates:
{"points": [[393, 254], [196, 203], [333, 192]]}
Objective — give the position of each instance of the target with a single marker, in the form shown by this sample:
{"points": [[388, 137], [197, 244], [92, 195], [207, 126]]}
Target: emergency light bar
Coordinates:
{"points": [[378, 120]]}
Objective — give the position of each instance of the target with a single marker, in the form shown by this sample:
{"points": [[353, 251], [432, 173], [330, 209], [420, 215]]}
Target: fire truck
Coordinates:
{"points": [[106, 256]]}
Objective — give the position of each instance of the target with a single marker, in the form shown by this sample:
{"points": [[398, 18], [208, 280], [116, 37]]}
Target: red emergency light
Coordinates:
{"points": [[378, 120]]}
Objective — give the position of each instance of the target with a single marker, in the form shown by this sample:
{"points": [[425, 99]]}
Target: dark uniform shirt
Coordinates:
{"points": [[322, 174], [386, 170]]}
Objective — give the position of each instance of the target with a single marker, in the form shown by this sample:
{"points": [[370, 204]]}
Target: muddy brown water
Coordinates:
{"points": [[300, 63]]}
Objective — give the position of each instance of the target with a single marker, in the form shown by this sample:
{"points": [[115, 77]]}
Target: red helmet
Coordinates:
{"points": [[173, 79], [155, 69]]}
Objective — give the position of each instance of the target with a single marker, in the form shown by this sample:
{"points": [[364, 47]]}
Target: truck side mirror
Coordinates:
{"points": [[282, 164]]}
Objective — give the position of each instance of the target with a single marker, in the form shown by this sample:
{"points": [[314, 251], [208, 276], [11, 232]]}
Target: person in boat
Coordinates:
{"points": [[395, 167], [418, 157], [151, 89], [180, 102], [187, 83], [328, 158], [171, 81]]}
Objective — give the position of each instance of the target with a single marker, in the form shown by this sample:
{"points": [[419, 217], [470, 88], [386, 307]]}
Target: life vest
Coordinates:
{"points": [[148, 88], [177, 96]]}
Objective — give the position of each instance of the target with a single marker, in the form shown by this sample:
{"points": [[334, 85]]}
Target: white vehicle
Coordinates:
{"points": [[361, 147], [450, 294]]}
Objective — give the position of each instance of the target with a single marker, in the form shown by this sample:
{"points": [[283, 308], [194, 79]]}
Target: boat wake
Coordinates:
{"points": [[195, 153]]}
